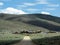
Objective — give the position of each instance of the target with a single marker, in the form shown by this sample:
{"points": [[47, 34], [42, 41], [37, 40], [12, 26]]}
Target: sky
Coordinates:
{"points": [[51, 7]]}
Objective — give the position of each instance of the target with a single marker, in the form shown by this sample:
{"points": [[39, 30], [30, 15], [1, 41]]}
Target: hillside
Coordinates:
{"points": [[43, 22]]}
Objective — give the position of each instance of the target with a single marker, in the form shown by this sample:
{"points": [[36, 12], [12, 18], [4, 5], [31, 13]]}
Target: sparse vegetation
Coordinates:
{"points": [[7, 38], [46, 39]]}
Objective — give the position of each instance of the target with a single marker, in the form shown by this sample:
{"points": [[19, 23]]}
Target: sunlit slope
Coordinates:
{"points": [[13, 26]]}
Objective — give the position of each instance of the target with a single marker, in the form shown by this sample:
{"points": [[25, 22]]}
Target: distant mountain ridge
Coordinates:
{"points": [[40, 20]]}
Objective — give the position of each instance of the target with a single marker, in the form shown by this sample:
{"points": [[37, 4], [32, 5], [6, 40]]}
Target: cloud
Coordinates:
{"points": [[11, 10], [42, 1], [53, 5], [5, 0], [29, 4], [48, 9], [45, 12], [49, 4], [32, 9], [25, 5], [1, 3], [21, 6]]}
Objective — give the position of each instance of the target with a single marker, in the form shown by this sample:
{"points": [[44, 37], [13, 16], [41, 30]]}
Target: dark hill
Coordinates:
{"points": [[41, 22]]}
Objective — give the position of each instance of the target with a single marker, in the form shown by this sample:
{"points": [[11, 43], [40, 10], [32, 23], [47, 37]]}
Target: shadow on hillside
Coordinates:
{"points": [[47, 41], [44, 25], [9, 42], [48, 17], [12, 18], [42, 16]]}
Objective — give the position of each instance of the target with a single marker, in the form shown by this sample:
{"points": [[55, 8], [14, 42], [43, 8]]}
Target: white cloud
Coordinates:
{"points": [[25, 5], [21, 6], [48, 9], [53, 5], [11, 10], [32, 9], [42, 1], [29, 4], [49, 4], [1, 3], [45, 12], [5, 0]]}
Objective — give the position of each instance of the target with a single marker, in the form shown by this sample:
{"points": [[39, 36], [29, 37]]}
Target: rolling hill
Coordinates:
{"points": [[43, 22]]}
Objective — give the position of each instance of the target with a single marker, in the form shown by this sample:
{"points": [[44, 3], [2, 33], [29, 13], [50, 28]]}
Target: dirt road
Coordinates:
{"points": [[26, 41]]}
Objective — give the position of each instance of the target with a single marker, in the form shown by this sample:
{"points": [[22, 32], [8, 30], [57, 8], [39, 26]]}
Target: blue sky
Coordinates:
{"points": [[31, 6]]}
